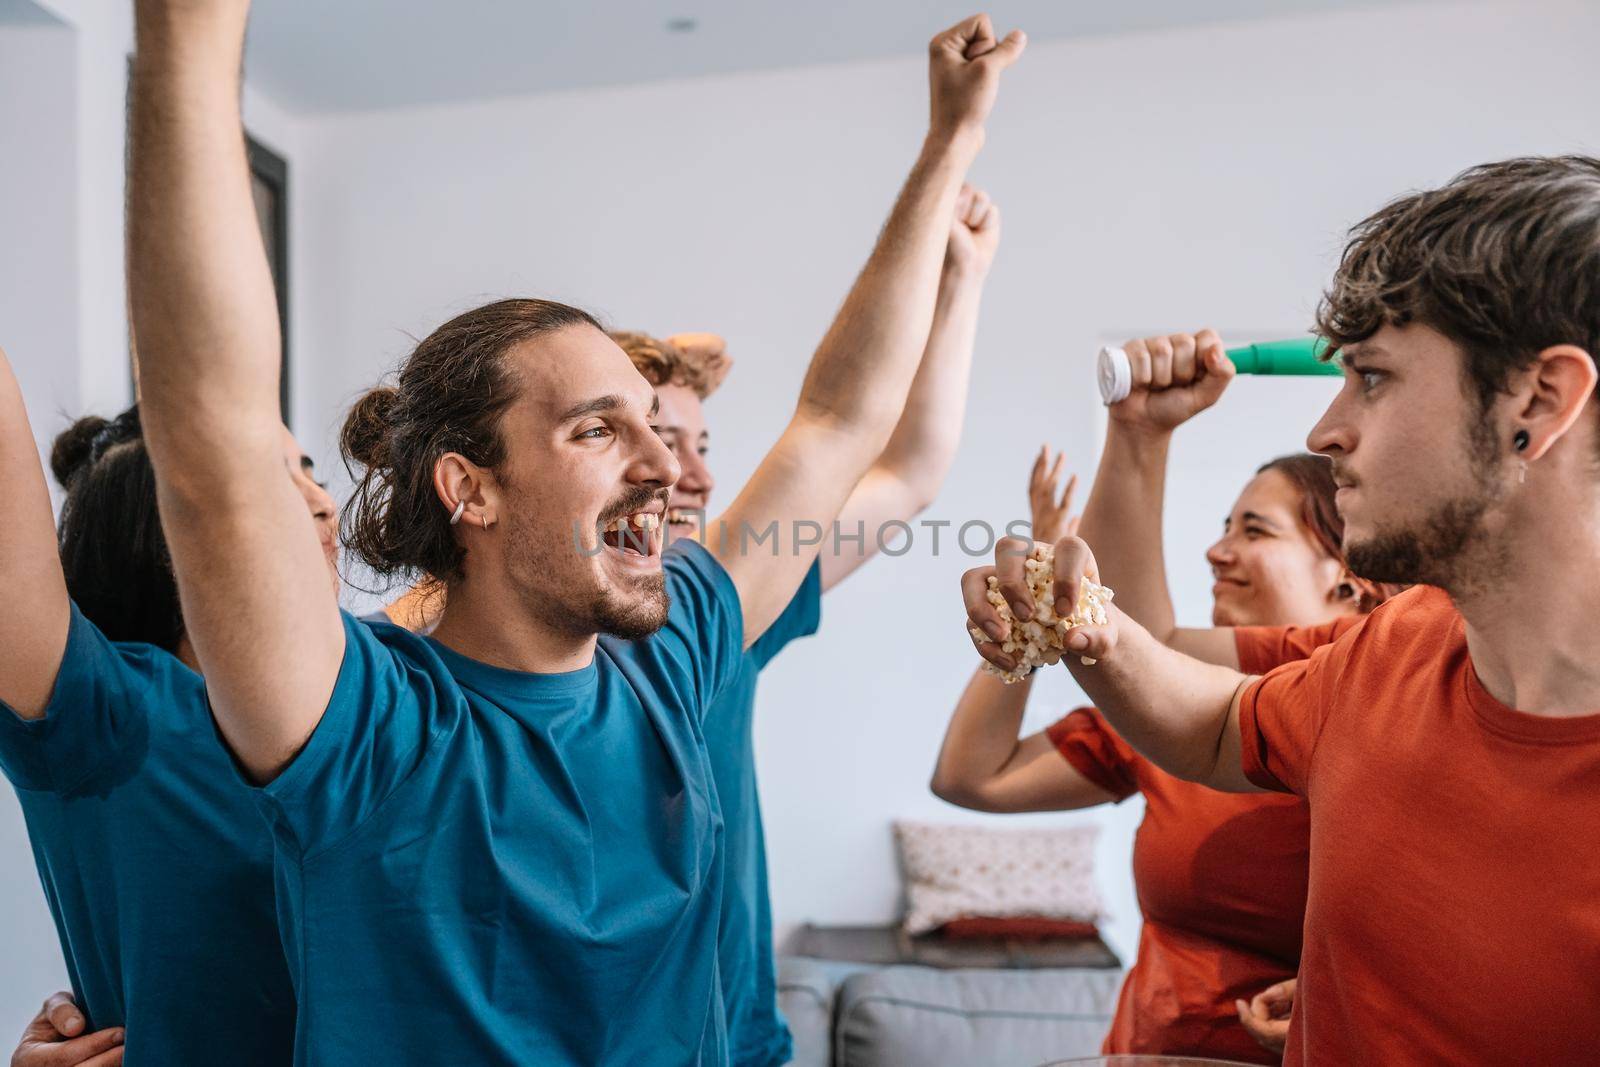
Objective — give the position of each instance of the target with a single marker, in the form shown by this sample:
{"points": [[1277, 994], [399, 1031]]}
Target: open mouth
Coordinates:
{"points": [[635, 538], [681, 519]]}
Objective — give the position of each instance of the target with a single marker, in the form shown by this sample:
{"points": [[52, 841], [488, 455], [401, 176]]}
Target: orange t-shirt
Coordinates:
{"points": [[1454, 906], [1221, 879]]}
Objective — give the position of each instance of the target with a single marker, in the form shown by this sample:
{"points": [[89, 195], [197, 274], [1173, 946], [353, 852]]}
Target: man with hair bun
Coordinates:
{"points": [[1448, 745], [499, 844], [686, 370]]}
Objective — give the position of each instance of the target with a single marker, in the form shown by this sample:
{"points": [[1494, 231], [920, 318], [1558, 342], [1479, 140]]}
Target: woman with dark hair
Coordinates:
{"points": [[1221, 877], [156, 863]]}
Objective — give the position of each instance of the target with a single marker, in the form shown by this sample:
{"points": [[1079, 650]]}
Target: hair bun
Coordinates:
{"points": [[80, 446], [365, 436]]}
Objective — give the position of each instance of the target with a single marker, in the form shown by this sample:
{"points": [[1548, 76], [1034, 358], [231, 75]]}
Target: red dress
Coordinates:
{"points": [[1221, 879]]}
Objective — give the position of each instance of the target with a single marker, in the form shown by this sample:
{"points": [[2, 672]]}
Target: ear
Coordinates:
{"points": [[1558, 387], [459, 482]]}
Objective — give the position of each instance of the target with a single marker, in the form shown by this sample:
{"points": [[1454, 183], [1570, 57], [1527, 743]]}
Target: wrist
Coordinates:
{"points": [[1144, 447], [961, 142]]}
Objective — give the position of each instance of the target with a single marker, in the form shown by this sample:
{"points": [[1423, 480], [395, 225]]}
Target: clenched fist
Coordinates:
{"points": [[964, 65]]}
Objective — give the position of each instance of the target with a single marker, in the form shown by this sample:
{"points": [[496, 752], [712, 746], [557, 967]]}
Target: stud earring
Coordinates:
{"points": [[1520, 440]]}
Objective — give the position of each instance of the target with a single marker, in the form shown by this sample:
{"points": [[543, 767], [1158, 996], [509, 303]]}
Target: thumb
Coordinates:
{"points": [[1219, 372], [1007, 52]]}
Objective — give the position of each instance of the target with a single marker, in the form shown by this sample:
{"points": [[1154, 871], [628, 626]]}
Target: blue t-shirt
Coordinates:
{"points": [[483, 866], [155, 862], [757, 1033]]}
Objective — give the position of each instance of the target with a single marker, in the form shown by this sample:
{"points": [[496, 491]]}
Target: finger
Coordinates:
{"points": [[978, 36], [113, 1058], [993, 653], [1066, 494], [1074, 561], [1183, 363], [64, 1015], [1072, 525], [1009, 555], [81, 1050], [1138, 363], [1091, 642], [981, 613], [1037, 474], [1215, 369], [978, 209], [1160, 350], [1007, 51], [990, 223]]}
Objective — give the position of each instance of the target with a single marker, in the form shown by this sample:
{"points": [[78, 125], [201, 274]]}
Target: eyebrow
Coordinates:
{"points": [[1362, 350], [1252, 516], [609, 402]]}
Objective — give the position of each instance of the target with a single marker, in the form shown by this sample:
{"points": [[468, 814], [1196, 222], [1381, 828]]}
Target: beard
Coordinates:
{"points": [[556, 580], [1449, 546]]}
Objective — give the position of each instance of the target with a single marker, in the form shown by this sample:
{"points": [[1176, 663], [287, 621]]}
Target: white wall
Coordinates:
{"points": [[1157, 181], [39, 331]]}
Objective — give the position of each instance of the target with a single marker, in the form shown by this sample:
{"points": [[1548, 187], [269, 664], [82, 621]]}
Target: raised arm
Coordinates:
{"points": [[33, 628], [1182, 714], [855, 389], [1174, 379], [254, 586], [907, 475]]}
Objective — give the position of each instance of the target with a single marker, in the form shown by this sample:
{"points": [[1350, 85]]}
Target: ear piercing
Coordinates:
{"points": [[455, 516], [1520, 440]]}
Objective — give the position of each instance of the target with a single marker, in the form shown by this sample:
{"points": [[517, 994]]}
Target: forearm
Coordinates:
{"points": [[912, 467], [1122, 523], [981, 738], [924, 442], [201, 295], [1177, 711], [862, 370]]}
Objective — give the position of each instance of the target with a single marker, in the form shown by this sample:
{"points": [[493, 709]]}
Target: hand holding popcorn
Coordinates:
{"points": [[1033, 605]]}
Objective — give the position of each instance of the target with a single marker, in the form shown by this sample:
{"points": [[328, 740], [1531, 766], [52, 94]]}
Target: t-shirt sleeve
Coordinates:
{"points": [[95, 721], [393, 701], [799, 619], [1261, 648], [1095, 751], [705, 624], [1282, 715]]}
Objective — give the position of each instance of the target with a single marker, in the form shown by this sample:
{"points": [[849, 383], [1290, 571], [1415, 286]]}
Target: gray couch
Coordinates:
{"points": [[856, 1015]]}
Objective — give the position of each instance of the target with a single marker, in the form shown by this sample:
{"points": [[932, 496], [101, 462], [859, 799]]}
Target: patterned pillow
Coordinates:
{"points": [[955, 872]]}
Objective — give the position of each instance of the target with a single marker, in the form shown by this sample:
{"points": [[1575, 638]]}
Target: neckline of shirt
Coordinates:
{"points": [[1510, 723], [475, 674]]}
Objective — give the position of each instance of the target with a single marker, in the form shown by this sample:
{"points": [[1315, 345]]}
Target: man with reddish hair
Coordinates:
{"points": [[901, 482]]}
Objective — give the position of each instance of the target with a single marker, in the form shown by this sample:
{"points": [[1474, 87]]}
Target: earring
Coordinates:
{"points": [[455, 516], [1346, 590], [1520, 440], [487, 522]]}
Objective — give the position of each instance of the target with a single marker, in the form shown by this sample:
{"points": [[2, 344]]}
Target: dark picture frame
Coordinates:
{"points": [[269, 188]]}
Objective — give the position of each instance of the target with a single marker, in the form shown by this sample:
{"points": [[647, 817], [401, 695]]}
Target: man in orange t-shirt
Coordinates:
{"points": [[1449, 745]]}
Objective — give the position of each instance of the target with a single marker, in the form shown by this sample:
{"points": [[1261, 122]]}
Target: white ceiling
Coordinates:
{"points": [[340, 55], [25, 13]]}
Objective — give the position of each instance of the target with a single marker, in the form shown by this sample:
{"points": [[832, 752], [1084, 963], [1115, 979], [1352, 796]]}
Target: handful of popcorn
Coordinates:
{"points": [[1039, 640]]}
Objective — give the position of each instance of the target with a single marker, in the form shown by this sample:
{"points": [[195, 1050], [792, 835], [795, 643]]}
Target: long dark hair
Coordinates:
{"points": [[113, 552], [449, 396], [1312, 476]]}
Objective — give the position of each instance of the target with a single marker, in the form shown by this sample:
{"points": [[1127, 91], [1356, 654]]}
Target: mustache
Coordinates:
{"points": [[634, 501]]}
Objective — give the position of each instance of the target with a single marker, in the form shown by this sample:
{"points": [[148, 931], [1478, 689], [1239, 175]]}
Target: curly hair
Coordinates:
{"points": [[1504, 261], [663, 363]]}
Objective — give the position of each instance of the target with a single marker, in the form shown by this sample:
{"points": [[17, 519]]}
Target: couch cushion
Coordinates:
{"points": [[806, 992], [902, 1016]]}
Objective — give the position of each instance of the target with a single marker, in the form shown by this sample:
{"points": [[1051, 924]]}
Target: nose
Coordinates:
{"points": [[696, 475], [653, 462], [1332, 435], [1220, 554]]}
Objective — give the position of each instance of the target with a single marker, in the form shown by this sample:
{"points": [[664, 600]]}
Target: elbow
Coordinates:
{"points": [[962, 794]]}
